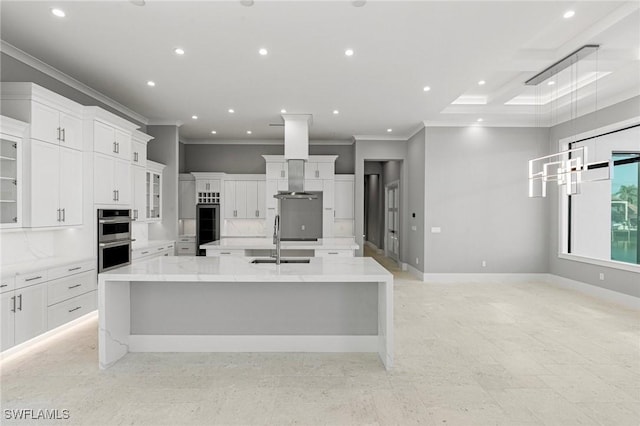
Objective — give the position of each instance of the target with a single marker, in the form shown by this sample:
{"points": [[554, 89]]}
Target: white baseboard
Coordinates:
{"points": [[484, 278], [202, 343], [595, 291]]}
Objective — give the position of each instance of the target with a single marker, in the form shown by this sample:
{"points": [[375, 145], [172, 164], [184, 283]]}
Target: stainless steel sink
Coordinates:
{"points": [[271, 260]]}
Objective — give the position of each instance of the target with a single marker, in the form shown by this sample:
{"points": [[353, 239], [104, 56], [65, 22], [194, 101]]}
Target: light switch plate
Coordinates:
{"points": [[435, 230]]}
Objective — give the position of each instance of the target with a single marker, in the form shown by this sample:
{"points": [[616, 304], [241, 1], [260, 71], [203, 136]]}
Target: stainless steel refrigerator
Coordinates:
{"points": [[207, 225]]}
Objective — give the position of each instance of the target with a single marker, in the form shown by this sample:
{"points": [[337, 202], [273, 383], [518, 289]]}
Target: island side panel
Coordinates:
{"points": [[114, 313], [385, 323]]}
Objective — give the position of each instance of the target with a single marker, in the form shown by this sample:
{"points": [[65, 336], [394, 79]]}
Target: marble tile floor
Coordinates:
{"points": [[466, 354]]}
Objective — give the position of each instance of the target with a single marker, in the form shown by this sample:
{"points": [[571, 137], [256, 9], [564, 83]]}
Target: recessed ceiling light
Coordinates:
{"points": [[389, 130], [178, 51], [551, 83], [195, 117], [151, 83], [568, 14], [426, 88], [249, 132], [213, 132], [263, 51], [336, 112], [58, 12], [231, 110], [480, 120], [481, 83], [349, 52], [283, 111]]}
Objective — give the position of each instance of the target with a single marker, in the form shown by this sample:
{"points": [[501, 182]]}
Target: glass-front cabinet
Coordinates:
{"points": [[154, 191], [11, 135]]}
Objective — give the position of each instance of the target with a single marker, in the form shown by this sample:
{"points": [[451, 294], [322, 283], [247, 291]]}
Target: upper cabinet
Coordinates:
{"points": [[154, 190], [320, 169], [187, 196], [11, 142], [139, 143], [344, 196], [110, 138], [52, 118], [244, 198]]}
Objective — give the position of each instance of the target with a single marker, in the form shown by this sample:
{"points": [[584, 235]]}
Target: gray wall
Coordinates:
{"points": [[617, 280], [477, 194], [415, 192], [164, 149], [13, 70], [379, 150], [181, 158], [374, 200], [242, 158], [391, 171]]}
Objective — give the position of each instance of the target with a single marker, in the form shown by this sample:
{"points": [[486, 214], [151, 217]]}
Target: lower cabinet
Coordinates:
{"points": [[334, 253], [186, 246], [223, 252], [45, 299], [154, 250], [23, 314]]}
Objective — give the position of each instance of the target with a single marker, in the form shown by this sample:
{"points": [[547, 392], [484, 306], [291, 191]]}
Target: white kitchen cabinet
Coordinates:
{"points": [[8, 317], [30, 312], [112, 180], [277, 170], [319, 170], [344, 197], [52, 118], [110, 140], [54, 185], [154, 190], [244, 199], [208, 185], [139, 193], [11, 154], [186, 197]]}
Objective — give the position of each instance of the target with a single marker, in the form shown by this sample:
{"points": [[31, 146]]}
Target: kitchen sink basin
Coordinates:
{"points": [[271, 260]]}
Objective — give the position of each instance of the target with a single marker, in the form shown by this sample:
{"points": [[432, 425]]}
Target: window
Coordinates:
{"points": [[624, 207], [602, 219]]}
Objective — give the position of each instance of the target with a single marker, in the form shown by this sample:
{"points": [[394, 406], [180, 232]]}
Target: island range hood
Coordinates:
{"points": [[296, 153]]}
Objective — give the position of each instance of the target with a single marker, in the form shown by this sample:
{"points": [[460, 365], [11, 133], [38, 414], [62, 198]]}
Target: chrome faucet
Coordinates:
{"points": [[276, 237]]}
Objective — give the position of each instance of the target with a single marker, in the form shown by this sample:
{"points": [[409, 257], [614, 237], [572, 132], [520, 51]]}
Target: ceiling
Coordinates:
{"points": [[115, 47]]}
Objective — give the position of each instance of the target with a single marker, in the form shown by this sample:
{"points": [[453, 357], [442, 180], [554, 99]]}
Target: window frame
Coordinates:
{"points": [[564, 204]]}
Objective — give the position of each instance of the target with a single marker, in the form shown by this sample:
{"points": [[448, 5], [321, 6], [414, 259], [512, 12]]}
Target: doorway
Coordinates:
{"points": [[392, 220]]}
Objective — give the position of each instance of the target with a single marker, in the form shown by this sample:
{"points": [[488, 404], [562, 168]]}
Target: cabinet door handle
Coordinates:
{"points": [[20, 299], [75, 286], [75, 309], [145, 252], [64, 135], [114, 195], [257, 213], [58, 138], [114, 147], [58, 215], [117, 195], [33, 278], [64, 214], [161, 248], [13, 304], [74, 269], [4, 285], [225, 252], [333, 252], [281, 173], [317, 173]]}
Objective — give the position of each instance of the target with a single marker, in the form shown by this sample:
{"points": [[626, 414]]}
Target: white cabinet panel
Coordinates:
{"points": [[123, 144], [122, 173], [45, 184], [103, 179], [70, 131], [328, 195], [31, 308], [344, 203], [139, 192], [241, 200], [8, 317], [71, 186], [276, 170], [251, 198], [139, 154], [313, 185], [229, 199], [271, 189], [45, 123], [71, 309], [261, 200], [103, 138], [283, 185], [326, 170]]}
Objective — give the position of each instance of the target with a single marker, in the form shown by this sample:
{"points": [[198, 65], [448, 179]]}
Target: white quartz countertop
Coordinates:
{"points": [[264, 243], [240, 269]]}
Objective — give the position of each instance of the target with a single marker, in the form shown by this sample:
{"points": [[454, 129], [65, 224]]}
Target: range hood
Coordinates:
{"points": [[296, 152]]}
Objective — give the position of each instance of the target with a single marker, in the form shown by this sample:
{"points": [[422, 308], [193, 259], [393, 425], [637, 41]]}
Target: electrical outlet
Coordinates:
{"points": [[303, 227], [601, 276], [484, 263]]}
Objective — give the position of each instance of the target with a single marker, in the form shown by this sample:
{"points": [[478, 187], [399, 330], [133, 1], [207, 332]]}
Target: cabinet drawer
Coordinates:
{"points": [[23, 280], [7, 283], [76, 268], [328, 253], [186, 248], [71, 309], [190, 239], [225, 252], [68, 287], [140, 253]]}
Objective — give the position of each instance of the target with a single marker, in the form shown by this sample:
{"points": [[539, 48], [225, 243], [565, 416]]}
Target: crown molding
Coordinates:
{"points": [[47, 69], [188, 141], [176, 123], [378, 138]]}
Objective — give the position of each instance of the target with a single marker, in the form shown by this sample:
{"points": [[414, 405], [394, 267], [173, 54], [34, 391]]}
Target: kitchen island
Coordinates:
{"points": [[261, 246], [228, 304]]}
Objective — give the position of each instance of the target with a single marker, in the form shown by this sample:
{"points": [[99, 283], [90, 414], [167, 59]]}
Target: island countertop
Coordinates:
{"points": [[343, 243], [225, 269]]}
